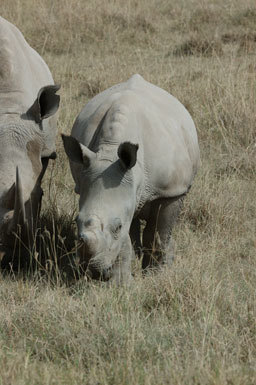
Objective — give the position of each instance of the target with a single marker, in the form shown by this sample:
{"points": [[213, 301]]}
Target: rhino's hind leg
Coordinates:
{"points": [[157, 242]]}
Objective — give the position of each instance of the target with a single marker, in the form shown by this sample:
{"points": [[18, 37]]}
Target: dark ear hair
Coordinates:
{"points": [[76, 151], [46, 103], [127, 153]]}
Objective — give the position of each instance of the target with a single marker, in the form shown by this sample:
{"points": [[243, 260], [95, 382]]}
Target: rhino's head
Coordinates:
{"points": [[22, 166], [106, 205]]}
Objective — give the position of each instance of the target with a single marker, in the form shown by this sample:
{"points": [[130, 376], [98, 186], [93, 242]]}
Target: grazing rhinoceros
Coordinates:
{"points": [[27, 134], [133, 155]]}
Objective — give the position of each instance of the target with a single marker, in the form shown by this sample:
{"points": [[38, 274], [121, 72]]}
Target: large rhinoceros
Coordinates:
{"points": [[133, 155], [27, 134]]}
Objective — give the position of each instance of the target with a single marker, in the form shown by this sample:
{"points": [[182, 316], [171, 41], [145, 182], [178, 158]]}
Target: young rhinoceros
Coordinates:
{"points": [[133, 155], [27, 134]]}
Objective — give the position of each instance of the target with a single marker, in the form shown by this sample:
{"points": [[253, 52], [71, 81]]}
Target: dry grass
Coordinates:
{"points": [[192, 324]]}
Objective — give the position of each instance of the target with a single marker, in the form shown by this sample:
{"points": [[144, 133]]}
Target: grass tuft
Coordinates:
{"points": [[199, 47]]}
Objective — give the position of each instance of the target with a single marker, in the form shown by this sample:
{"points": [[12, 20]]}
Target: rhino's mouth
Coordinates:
{"points": [[96, 273], [99, 275], [93, 267]]}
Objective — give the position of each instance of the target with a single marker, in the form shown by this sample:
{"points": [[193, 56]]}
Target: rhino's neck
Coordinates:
{"points": [[16, 132], [118, 126], [20, 145], [12, 101]]}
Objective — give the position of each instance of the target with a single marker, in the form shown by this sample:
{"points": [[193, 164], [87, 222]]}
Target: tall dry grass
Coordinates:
{"points": [[194, 323]]}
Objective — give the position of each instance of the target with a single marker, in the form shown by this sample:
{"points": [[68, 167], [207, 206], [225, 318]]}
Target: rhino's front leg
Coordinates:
{"points": [[157, 242], [135, 237], [121, 271]]}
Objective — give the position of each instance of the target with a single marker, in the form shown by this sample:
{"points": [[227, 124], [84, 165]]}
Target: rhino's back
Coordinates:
{"points": [[22, 71], [168, 156]]}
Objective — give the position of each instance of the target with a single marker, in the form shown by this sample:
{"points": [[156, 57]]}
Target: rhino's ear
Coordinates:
{"points": [[46, 103], [127, 153], [76, 151]]}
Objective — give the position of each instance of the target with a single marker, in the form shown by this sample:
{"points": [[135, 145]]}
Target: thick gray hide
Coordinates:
{"points": [[133, 155], [27, 133]]}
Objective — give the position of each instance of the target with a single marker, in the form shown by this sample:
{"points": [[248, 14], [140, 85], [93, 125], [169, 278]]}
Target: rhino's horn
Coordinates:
{"points": [[19, 216]]}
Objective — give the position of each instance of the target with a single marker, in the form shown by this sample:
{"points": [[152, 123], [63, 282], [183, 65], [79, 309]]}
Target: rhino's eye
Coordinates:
{"points": [[116, 227], [88, 222]]}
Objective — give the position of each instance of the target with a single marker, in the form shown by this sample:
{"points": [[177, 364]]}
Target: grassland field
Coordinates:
{"points": [[192, 324]]}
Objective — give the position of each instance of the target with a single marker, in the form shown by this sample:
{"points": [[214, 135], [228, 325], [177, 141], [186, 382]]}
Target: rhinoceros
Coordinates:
{"points": [[133, 154], [28, 128]]}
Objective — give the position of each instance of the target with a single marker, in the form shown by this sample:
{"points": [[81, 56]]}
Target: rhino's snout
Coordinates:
{"points": [[103, 274], [82, 237], [88, 241], [92, 256], [99, 243]]}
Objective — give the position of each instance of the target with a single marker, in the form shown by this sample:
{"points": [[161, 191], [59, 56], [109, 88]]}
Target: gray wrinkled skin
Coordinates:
{"points": [[133, 155], [27, 134]]}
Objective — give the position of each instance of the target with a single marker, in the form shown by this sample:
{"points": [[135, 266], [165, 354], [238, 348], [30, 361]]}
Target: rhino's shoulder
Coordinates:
{"points": [[111, 94], [6, 52], [135, 80]]}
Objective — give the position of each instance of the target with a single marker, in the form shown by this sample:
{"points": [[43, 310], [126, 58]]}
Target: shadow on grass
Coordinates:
{"points": [[51, 254]]}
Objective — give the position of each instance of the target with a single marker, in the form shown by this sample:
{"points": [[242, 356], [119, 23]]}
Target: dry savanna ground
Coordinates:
{"points": [[191, 324]]}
